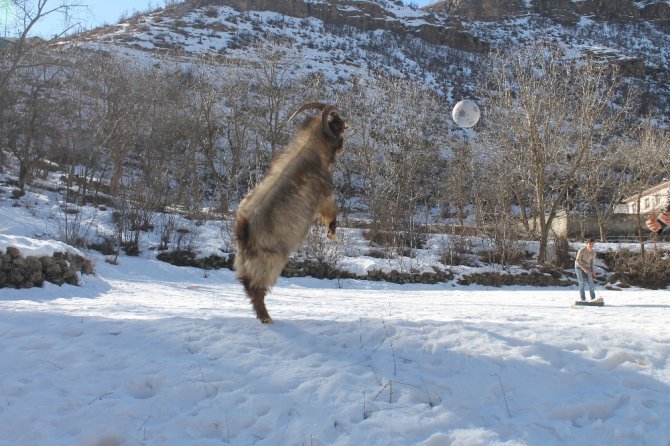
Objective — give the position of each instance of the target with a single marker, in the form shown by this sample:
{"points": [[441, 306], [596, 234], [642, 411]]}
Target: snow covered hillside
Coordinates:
{"points": [[441, 47]]}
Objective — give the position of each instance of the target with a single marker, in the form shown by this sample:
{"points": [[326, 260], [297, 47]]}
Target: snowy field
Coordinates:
{"points": [[146, 353]]}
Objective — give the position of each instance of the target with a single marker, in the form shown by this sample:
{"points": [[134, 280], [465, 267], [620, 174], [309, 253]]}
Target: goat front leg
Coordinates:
{"points": [[328, 215]]}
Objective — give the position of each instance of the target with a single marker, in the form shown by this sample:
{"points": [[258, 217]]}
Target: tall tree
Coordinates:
{"points": [[548, 113], [117, 109], [31, 127], [646, 162], [602, 185], [23, 16], [391, 159], [275, 84]]}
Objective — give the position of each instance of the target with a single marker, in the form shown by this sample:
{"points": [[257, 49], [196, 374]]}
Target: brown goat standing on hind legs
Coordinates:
{"points": [[274, 218]]}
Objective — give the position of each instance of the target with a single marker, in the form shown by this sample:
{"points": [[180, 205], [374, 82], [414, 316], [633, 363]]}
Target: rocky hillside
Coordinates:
{"points": [[567, 12], [442, 46]]}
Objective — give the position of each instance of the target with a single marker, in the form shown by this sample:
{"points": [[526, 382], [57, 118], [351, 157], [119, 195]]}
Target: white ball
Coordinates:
{"points": [[466, 113]]}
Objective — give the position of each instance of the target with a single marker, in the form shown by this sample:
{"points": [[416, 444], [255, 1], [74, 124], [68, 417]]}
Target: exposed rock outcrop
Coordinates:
{"points": [[365, 16], [566, 12], [488, 10]]}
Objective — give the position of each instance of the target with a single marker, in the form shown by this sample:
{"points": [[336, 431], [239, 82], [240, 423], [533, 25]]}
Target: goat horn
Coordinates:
{"points": [[318, 105]]}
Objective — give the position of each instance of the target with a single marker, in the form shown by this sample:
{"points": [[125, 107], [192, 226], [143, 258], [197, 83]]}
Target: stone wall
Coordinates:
{"points": [[308, 268], [17, 271], [320, 270], [532, 278]]}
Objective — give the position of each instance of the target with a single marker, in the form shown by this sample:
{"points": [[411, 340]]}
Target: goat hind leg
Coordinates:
{"points": [[258, 301], [257, 297]]}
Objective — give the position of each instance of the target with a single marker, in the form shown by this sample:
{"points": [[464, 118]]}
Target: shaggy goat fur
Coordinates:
{"points": [[274, 218]]}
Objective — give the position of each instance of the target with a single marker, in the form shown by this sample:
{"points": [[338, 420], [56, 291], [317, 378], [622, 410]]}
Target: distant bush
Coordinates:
{"points": [[651, 270], [377, 253], [457, 250], [396, 239], [504, 245], [316, 246]]}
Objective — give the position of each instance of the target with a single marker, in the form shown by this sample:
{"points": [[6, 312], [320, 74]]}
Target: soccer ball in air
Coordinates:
{"points": [[466, 113]]}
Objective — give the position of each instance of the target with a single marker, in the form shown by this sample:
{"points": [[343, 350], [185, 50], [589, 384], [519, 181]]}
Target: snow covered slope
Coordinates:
{"points": [[441, 47]]}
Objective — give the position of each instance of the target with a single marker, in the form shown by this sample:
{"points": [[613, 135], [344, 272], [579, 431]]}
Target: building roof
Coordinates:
{"points": [[663, 185]]}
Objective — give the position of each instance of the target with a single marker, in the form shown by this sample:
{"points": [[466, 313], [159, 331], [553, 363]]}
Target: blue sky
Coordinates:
{"points": [[101, 12], [95, 13]]}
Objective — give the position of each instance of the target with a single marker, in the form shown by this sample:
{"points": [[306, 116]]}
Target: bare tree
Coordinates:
{"points": [[646, 164], [548, 114], [602, 185], [232, 163], [155, 152], [26, 52], [359, 176], [392, 163], [460, 180], [275, 85], [116, 111], [30, 125], [77, 151], [26, 15]]}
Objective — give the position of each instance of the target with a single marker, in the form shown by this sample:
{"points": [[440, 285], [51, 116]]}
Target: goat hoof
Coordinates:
{"points": [[265, 319]]}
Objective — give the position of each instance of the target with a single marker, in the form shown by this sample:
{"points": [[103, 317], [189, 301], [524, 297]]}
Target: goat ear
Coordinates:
{"points": [[335, 123]]}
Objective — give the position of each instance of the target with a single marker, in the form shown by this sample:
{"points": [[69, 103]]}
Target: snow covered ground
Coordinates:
{"points": [[146, 353]]}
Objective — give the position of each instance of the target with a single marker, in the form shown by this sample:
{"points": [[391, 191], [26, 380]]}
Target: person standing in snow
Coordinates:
{"points": [[584, 269]]}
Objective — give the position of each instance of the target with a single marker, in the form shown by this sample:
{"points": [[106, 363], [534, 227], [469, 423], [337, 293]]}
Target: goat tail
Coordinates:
{"points": [[243, 238], [242, 231]]}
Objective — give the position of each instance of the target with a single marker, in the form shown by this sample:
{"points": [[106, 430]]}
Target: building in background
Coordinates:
{"points": [[653, 199]]}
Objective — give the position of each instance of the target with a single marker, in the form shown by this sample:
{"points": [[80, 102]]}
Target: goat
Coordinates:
{"points": [[275, 216]]}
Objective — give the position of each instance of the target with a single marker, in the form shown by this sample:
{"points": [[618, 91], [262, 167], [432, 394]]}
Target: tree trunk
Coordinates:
{"points": [[23, 176], [603, 229]]}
